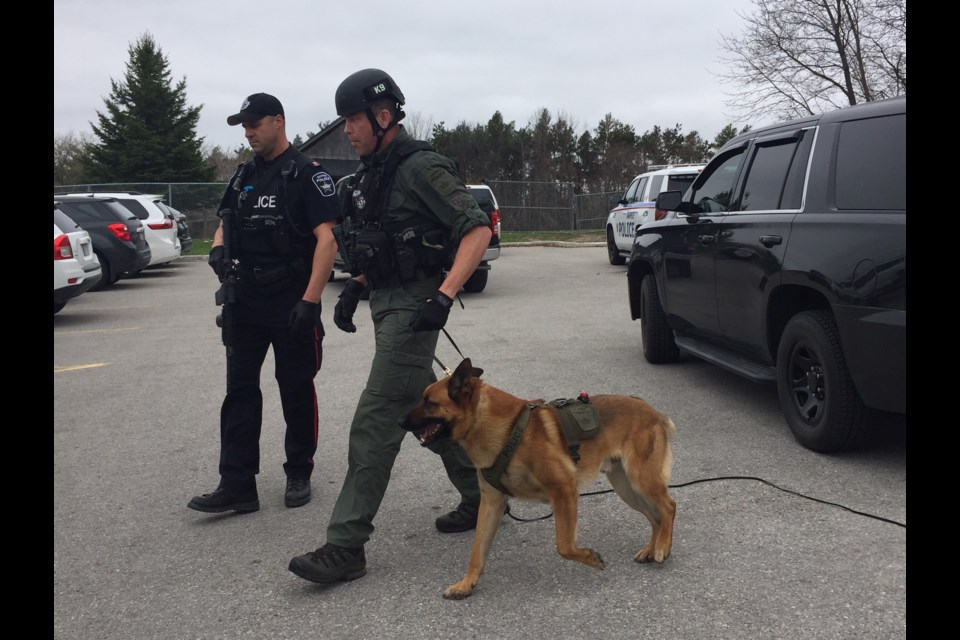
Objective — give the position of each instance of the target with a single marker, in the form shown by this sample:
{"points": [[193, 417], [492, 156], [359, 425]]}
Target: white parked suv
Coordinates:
{"points": [[76, 267], [637, 207], [159, 226]]}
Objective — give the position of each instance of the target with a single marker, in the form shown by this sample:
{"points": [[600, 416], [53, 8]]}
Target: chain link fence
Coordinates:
{"points": [[524, 206]]}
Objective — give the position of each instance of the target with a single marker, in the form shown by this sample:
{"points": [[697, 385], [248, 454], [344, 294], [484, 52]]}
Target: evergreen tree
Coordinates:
{"points": [[148, 133]]}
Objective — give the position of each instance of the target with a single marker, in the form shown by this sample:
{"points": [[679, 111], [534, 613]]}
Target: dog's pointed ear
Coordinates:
{"points": [[467, 368], [460, 380]]}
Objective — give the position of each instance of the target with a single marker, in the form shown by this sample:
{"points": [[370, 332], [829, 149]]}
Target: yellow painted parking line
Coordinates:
{"points": [[80, 367], [67, 333]]}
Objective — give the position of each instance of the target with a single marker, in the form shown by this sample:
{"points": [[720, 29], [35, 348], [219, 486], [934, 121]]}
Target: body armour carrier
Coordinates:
{"points": [[388, 251], [272, 238]]}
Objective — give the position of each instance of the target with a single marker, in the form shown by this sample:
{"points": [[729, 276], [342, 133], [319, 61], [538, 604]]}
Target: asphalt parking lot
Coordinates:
{"points": [[771, 540]]}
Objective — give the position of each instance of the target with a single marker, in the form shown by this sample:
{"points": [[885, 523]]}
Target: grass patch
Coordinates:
{"points": [[199, 248], [597, 235]]}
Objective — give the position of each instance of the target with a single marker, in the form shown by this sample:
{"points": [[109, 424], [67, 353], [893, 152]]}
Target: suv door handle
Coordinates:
{"points": [[770, 241], [707, 239]]}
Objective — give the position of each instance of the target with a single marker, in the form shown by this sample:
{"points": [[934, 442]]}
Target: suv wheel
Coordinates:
{"points": [[817, 394], [106, 277], [612, 252], [477, 282], [658, 344]]}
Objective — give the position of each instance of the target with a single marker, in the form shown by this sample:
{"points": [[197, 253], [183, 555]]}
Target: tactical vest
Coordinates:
{"points": [[273, 237], [385, 251]]}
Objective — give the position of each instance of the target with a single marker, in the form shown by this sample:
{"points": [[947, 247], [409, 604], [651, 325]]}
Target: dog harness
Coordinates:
{"points": [[578, 420]]}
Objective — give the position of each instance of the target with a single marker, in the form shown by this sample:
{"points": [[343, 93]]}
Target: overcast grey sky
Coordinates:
{"points": [[646, 62]]}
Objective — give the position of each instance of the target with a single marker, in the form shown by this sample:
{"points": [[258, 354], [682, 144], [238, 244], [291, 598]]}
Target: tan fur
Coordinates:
{"points": [[632, 448]]}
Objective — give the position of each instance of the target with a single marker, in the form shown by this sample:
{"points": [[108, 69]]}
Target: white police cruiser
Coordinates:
{"points": [[637, 207]]}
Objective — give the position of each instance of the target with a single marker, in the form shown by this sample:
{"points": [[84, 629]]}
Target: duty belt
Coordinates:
{"points": [[264, 276], [393, 280]]}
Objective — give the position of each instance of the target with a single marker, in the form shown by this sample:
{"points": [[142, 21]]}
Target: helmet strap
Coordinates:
{"points": [[381, 131]]}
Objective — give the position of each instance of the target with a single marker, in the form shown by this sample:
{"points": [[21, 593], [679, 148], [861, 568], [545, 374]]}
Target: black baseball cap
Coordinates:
{"points": [[255, 107]]}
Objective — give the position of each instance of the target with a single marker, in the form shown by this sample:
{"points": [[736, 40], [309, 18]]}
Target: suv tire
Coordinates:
{"points": [[612, 252], [658, 344], [817, 395], [477, 282], [106, 277]]}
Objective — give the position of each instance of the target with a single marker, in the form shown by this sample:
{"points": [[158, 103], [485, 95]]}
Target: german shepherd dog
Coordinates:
{"points": [[631, 446]]}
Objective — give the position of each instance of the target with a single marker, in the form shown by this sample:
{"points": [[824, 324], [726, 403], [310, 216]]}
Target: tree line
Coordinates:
{"points": [[793, 58]]}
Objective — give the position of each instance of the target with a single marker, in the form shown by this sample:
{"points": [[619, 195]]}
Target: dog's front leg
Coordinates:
{"points": [[564, 501], [492, 505]]}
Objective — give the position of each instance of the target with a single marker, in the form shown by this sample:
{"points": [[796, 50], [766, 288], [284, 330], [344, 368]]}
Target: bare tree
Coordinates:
{"points": [[802, 57], [224, 162], [418, 125], [69, 152]]}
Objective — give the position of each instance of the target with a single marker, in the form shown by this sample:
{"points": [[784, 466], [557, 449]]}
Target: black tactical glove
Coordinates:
{"points": [[215, 260], [433, 313], [347, 306], [304, 318]]}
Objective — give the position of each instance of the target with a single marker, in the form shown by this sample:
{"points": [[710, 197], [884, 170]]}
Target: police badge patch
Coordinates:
{"points": [[324, 183]]}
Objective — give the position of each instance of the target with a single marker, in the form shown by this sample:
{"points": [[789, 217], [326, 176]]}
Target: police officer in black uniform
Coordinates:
{"points": [[275, 248]]}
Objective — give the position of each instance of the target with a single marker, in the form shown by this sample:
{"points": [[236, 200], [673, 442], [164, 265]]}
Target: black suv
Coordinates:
{"points": [[117, 234], [787, 263]]}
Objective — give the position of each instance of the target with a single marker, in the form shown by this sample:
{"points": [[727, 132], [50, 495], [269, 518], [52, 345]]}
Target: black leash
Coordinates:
{"points": [[446, 371]]}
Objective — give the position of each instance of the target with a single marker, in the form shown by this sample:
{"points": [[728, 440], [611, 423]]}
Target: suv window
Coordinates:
{"points": [[483, 199], [715, 193], [776, 174], [871, 164], [138, 209], [631, 193], [89, 211], [655, 182], [679, 182], [638, 196], [62, 220]]}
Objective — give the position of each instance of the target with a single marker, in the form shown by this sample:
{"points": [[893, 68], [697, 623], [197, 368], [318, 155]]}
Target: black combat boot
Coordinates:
{"points": [[225, 500], [297, 493], [330, 563]]}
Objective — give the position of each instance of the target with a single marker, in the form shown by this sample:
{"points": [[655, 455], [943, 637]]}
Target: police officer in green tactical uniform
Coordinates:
{"points": [[407, 211]]}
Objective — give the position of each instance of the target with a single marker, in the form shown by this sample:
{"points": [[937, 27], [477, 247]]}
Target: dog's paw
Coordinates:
{"points": [[595, 560], [647, 554], [458, 591]]}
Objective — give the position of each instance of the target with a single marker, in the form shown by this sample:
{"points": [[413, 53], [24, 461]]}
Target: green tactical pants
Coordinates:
{"points": [[402, 368]]}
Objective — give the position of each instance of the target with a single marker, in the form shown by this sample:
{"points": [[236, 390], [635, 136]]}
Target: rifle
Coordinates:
{"points": [[226, 295]]}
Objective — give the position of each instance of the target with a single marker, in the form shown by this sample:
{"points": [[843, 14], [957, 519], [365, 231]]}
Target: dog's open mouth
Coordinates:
{"points": [[432, 432]]}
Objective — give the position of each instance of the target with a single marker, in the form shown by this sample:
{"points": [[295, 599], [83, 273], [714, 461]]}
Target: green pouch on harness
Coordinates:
{"points": [[579, 420]]}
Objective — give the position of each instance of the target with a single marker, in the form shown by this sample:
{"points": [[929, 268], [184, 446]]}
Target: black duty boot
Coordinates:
{"points": [[463, 518], [298, 492], [330, 563], [225, 500]]}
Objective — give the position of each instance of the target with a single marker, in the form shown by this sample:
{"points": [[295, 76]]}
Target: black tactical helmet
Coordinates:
{"points": [[359, 89]]}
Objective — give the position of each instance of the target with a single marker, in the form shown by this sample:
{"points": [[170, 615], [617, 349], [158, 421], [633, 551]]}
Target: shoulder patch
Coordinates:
{"points": [[324, 184], [442, 181]]}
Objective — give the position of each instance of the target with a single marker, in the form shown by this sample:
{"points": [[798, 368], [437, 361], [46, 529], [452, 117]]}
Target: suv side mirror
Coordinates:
{"points": [[669, 200]]}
